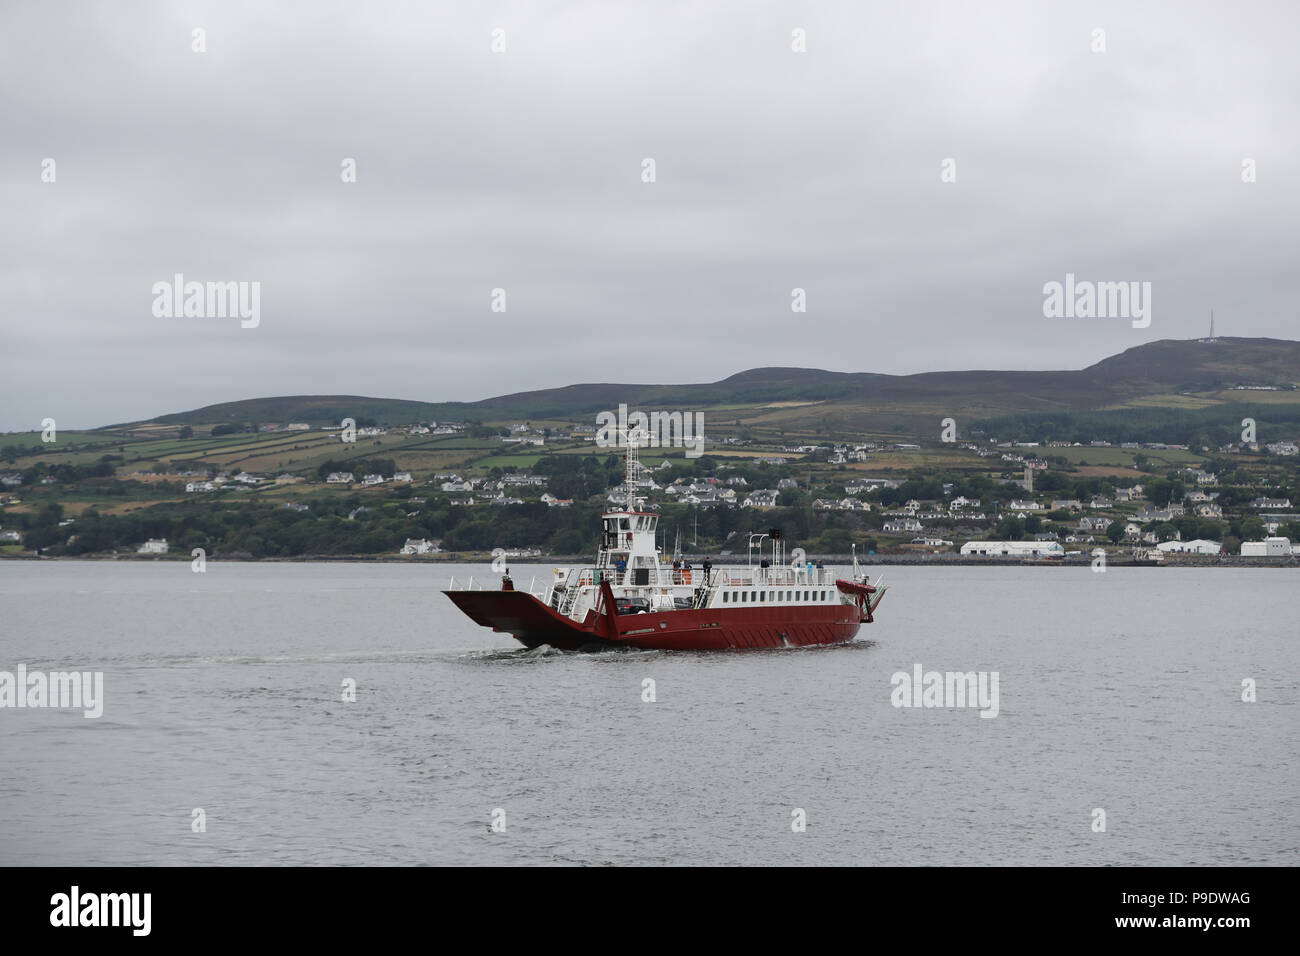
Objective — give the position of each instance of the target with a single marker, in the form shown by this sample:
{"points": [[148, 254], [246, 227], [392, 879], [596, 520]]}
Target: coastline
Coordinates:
{"points": [[833, 560]]}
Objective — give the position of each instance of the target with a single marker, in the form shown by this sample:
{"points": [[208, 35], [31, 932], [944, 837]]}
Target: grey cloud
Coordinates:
{"points": [[522, 170]]}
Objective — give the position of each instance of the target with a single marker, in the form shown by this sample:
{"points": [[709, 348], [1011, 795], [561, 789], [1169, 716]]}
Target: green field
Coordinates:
{"points": [[1123, 457]]}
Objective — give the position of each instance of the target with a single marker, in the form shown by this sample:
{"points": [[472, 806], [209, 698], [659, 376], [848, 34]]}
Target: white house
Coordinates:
{"points": [[339, 478], [420, 546], [153, 546], [903, 525], [373, 480], [1271, 503], [402, 476], [196, 486], [1160, 514]]}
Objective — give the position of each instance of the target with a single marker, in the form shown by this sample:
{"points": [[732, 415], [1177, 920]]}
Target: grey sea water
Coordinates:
{"points": [[1120, 691]]}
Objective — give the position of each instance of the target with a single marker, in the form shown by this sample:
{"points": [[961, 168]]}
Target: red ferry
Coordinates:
{"points": [[631, 597]]}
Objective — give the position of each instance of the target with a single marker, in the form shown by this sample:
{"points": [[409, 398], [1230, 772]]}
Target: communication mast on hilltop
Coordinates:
{"points": [[1211, 339]]}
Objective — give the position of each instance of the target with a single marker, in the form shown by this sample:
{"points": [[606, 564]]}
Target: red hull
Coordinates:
{"points": [[533, 623]]}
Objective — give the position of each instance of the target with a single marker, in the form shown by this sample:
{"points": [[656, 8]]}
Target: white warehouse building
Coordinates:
{"points": [[1014, 549], [1195, 546], [1268, 548]]}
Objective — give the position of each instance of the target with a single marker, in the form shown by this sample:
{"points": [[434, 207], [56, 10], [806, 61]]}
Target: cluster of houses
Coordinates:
{"points": [[836, 454], [242, 479], [376, 431], [502, 491], [1273, 547], [432, 546], [1281, 448], [347, 478], [1060, 443]]}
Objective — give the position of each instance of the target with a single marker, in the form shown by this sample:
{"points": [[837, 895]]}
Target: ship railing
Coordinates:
{"points": [[775, 577], [658, 577], [569, 600]]}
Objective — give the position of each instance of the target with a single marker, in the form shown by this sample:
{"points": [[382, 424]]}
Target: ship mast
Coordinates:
{"points": [[633, 460]]}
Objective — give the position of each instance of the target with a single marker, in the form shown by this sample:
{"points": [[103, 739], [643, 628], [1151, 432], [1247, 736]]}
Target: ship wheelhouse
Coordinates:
{"points": [[627, 544]]}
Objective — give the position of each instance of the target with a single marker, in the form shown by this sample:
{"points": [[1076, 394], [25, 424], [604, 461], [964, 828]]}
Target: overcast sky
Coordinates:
{"points": [[523, 170]]}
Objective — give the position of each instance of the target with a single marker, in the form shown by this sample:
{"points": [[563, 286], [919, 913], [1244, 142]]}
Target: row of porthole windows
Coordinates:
{"points": [[742, 597]]}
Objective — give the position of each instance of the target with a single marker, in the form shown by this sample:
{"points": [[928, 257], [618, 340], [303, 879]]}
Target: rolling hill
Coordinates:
{"points": [[1167, 373]]}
